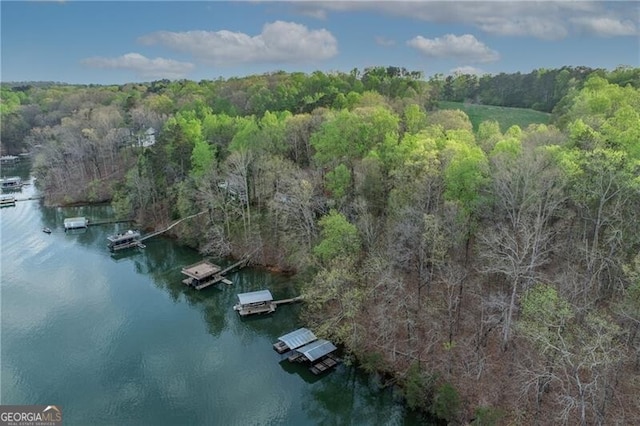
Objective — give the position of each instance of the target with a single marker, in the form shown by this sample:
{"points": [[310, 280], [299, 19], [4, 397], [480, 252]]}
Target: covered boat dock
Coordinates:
{"points": [[7, 201], [124, 240], [255, 302], [294, 340], [305, 347], [319, 353], [13, 182], [75, 223], [201, 274]]}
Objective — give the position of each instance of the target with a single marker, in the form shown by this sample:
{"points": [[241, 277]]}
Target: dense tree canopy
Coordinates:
{"points": [[493, 273]]}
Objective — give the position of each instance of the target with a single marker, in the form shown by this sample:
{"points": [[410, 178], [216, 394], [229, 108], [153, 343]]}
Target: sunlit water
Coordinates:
{"points": [[120, 340]]}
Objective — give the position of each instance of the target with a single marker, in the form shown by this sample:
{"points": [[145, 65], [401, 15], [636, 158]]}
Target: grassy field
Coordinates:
{"points": [[507, 117]]}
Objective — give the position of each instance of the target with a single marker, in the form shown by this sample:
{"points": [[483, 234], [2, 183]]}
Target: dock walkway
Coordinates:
{"points": [[162, 231], [285, 301]]}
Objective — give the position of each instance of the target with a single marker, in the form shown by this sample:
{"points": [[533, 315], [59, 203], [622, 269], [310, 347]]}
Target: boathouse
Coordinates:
{"points": [[7, 201], [202, 274], [294, 340], [255, 302], [75, 223], [12, 182], [124, 240], [9, 159], [319, 353]]}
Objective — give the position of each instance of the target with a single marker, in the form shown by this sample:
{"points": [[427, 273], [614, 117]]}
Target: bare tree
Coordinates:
{"points": [[528, 195]]}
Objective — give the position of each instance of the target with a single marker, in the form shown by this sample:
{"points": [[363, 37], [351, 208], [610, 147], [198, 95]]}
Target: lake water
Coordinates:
{"points": [[120, 340]]}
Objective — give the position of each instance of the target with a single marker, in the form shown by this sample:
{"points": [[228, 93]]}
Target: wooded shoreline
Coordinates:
{"points": [[492, 272]]}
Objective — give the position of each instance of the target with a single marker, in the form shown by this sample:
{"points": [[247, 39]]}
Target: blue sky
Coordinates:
{"points": [[117, 42]]}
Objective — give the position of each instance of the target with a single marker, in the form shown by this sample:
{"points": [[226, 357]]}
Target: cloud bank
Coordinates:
{"points": [[143, 66], [548, 20], [465, 47], [279, 41]]}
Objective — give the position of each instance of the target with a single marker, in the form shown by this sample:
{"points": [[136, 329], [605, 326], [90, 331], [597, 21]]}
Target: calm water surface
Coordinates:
{"points": [[120, 340]]}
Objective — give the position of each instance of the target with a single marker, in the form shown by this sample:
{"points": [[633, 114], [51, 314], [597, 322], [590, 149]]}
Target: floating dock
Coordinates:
{"points": [[304, 347], [76, 223], [7, 201], [204, 274], [255, 302], [13, 182], [319, 353], [124, 240], [201, 274], [9, 159], [259, 302], [326, 363]]}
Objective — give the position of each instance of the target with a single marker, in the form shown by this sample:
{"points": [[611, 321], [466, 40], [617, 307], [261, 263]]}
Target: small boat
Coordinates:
{"points": [[46, 230]]}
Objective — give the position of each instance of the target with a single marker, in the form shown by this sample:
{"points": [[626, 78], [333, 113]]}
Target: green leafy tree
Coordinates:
{"points": [[465, 174], [544, 316], [338, 181], [202, 157], [488, 135], [350, 135], [415, 170], [339, 238], [414, 119]]}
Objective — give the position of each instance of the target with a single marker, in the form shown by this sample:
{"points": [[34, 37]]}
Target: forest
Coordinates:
{"points": [[492, 272]]}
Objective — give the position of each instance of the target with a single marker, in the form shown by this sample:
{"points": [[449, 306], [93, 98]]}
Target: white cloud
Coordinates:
{"points": [[465, 47], [279, 42], [547, 29], [606, 26], [466, 69], [549, 20], [143, 66], [317, 13], [385, 42]]}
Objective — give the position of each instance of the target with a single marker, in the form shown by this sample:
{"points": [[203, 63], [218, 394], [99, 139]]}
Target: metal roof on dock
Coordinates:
{"points": [[11, 180], [255, 297], [317, 349], [297, 338], [76, 222]]}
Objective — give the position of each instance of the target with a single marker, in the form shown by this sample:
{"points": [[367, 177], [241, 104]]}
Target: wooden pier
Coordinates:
{"points": [[131, 239], [162, 231], [285, 301], [40, 197], [325, 364], [108, 222]]}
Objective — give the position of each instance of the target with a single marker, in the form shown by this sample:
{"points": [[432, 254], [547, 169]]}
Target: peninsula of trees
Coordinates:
{"points": [[491, 270]]}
